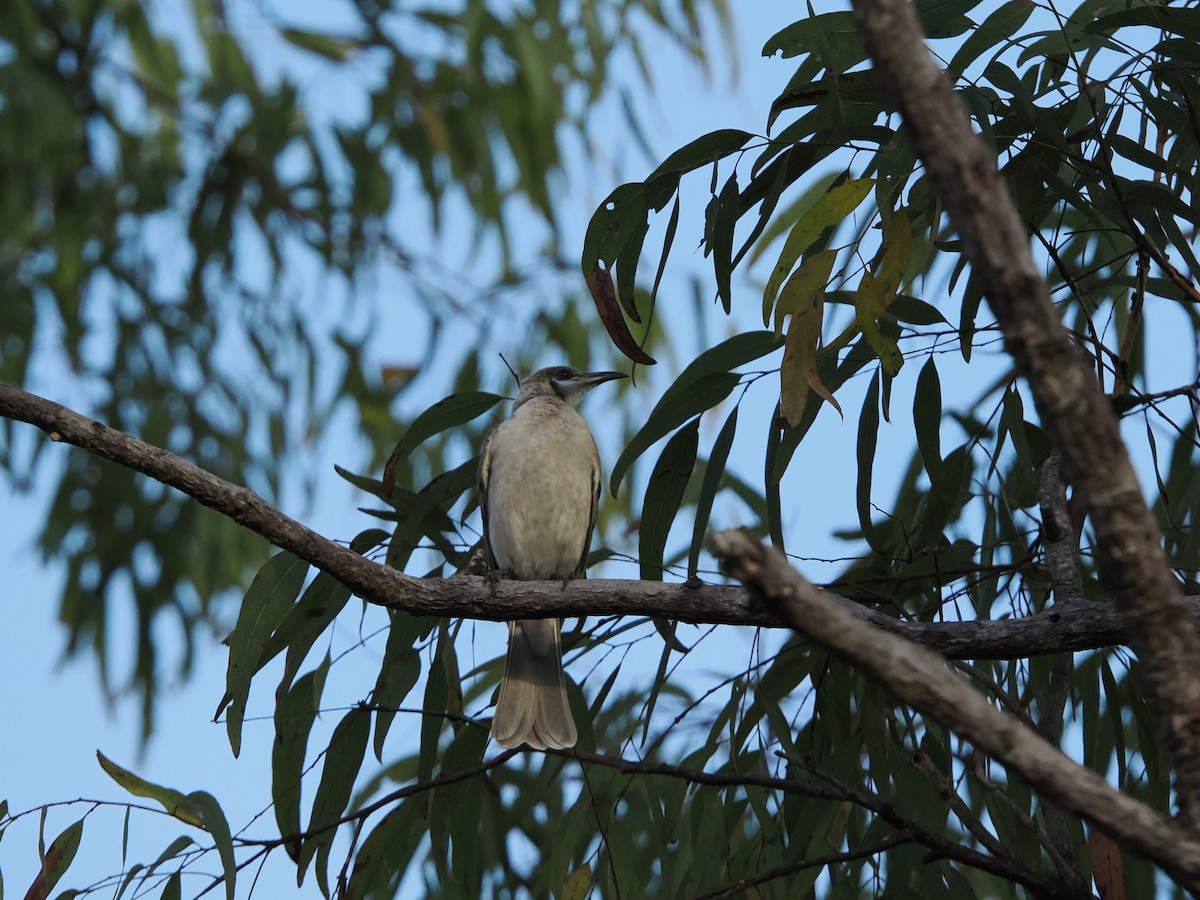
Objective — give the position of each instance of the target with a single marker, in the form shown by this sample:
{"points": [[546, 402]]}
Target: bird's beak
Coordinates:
{"points": [[589, 380]]}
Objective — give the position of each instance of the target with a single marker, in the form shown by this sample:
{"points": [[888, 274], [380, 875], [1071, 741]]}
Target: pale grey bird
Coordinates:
{"points": [[539, 484]]}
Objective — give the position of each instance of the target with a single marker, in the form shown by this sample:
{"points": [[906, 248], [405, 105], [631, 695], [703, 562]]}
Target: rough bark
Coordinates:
{"points": [[921, 679], [1084, 627], [1079, 419]]}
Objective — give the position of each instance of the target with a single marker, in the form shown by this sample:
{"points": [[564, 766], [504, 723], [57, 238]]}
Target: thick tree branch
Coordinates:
{"points": [[1089, 626], [921, 679], [1079, 419]]}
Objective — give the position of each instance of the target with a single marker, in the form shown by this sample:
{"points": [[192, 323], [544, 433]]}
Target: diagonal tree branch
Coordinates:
{"points": [[1089, 626], [921, 679], [1079, 419]]}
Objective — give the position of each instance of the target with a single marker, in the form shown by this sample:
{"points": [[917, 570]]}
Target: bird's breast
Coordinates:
{"points": [[543, 474]]}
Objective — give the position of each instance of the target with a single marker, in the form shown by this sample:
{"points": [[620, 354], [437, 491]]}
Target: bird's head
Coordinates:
{"points": [[563, 382]]}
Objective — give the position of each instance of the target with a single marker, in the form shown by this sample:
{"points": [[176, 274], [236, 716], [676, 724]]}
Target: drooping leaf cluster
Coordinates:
{"points": [[195, 206]]}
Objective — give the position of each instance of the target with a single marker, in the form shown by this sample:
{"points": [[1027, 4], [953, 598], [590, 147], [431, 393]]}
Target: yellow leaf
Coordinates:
{"points": [[579, 884], [798, 372], [870, 302], [827, 212], [807, 281], [897, 250]]}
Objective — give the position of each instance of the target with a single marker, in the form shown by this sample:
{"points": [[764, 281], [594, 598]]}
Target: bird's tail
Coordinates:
{"points": [[533, 708]]}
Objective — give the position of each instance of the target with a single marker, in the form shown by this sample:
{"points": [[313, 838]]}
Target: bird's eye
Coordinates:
{"points": [[563, 374]]}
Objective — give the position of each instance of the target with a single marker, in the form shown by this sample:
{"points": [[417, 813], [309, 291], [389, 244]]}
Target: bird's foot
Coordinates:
{"points": [[493, 581]]}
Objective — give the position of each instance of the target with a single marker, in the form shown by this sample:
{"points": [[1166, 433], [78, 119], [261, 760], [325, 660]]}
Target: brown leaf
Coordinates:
{"points": [[395, 378], [798, 372], [1107, 871], [389, 474], [600, 285]]}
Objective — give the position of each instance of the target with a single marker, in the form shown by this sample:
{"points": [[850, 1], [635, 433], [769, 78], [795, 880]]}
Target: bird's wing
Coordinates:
{"points": [[485, 473], [581, 569]]}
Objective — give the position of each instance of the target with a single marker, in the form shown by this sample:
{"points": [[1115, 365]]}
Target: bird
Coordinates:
{"points": [[539, 487]]}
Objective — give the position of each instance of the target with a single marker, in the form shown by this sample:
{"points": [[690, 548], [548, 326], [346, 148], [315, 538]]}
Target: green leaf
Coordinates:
{"points": [[703, 150], [702, 385], [868, 434], [993, 31], [946, 496], [332, 48], [389, 849], [455, 410], [295, 712], [914, 312], [172, 850], [398, 673], [55, 862], [621, 216], [321, 603], [771, 465], [972, 297], [945, 18], [830, 210], [722, 239], [343, 759], [927, 418], [835, 30], [362, 482], [173, 890], [626, 265], [212, 820], [664, 492], [427, 512], [270, 598], [454, 809], [155, 56], [668, 241], [437, 692], [770, 184], [709, 487], [173, 801]]}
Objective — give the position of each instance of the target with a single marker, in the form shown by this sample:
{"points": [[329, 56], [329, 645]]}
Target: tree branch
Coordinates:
{"points": [[1079, 419], [921, 679], [1089, 626]]}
